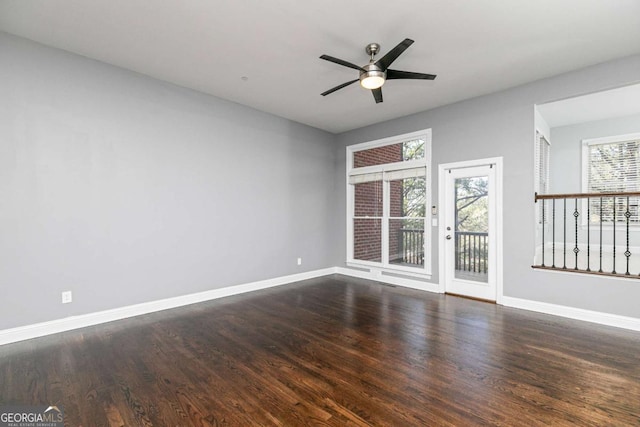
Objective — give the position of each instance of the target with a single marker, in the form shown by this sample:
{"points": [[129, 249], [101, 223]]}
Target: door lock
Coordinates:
{"points": [[448, 237]]}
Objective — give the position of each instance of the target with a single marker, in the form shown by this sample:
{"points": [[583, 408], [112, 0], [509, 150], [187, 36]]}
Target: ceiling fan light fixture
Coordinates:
{"points": [[372, 80], [372, 77]]}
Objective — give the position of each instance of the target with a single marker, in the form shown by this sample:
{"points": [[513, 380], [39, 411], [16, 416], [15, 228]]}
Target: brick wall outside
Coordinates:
{"points": [[378, 156], [367, 233]]}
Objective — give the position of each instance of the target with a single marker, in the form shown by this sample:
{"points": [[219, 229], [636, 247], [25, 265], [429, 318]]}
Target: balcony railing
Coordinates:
{"points": [[594, 233], [412, 246], [471, 251]]}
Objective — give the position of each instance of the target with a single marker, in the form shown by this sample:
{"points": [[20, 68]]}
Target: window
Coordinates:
{"points": [[542, 160], [612, 164], [387, 192], [543, 155]]}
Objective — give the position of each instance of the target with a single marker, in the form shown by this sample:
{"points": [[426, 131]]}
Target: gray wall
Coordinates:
{"points": [[502, 124], [125, 189], [566, 148]]}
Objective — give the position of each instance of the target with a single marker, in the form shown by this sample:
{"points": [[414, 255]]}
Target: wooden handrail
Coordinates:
{"points": [[585, 195]]}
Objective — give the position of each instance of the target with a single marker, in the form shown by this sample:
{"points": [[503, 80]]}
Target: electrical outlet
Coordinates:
{"points": [[299, 261], [67, 297]]}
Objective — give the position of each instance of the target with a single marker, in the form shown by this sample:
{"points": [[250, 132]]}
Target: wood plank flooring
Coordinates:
{"points": [[332, 351]]}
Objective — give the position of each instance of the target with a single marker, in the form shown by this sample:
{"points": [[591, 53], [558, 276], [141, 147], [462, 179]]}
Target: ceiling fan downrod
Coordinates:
{"points": [[372, 49]]}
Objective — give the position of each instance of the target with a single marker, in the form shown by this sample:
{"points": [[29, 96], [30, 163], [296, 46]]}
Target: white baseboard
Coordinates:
{"points": [[607, 319], [392, 280], [618, 321], [74, 322], [69, 323]]}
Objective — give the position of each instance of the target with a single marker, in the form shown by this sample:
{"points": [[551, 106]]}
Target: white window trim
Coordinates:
{"points": [[586, 143], [385, 169]]}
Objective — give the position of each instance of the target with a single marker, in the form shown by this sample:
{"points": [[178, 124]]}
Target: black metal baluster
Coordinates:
{"points": [[600, 269], [411, 247], [564, 232], [469, 254], [486, 254], [627, 253], [405, 242], [414, 245], [614, 236], [588, 234], [576, 214], [472, 254], [466, 253], [416, 241], [479, 254], [543, 232], [463, 251], [475, 253], [553, 233]]}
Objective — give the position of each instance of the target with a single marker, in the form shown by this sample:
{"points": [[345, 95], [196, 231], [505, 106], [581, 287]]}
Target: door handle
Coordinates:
{"points": [[448, 237]]}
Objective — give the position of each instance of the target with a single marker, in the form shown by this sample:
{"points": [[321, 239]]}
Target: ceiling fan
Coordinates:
{"points": [[374, 74]]}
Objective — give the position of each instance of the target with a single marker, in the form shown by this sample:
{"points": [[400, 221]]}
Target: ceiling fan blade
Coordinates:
{"points": [[338, 87], [340, 62], [377, 95], [393, 54], [397, 74]]}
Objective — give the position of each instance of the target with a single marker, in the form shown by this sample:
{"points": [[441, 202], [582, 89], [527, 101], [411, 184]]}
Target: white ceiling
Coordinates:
{"points": [[475, 47]]}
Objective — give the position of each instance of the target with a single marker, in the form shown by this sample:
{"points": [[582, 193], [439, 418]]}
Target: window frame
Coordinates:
{"points": [[586, 144], [386, 169]]}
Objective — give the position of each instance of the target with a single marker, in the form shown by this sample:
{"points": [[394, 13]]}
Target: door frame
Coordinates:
{"points": [[443, 169]]}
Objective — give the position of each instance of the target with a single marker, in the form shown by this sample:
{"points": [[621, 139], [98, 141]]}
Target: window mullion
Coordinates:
{"points": [[386, 211]]}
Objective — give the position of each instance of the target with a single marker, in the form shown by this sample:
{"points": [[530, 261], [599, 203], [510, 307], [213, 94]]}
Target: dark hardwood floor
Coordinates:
{"points": [[332, 351]]}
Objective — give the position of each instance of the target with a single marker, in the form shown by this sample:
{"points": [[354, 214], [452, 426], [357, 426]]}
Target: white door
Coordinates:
{"points": [[469, 230]]}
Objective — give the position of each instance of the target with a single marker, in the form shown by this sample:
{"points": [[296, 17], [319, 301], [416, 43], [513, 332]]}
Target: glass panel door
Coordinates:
{"points": [[470, 224]]}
